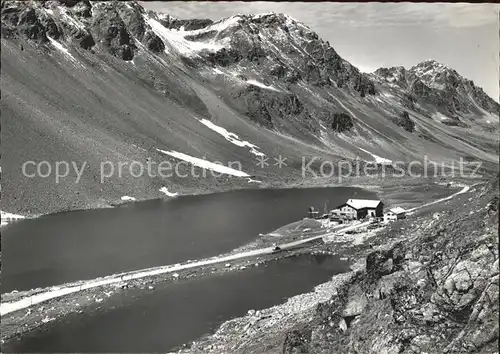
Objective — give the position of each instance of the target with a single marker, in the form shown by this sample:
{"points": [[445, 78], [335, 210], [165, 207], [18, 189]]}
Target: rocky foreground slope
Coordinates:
{"points": [[107, 82], [429, 285]]}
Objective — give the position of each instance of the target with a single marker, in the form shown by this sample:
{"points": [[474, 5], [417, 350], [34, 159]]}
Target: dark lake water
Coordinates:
{"points": [[79, 245], [163, 319]]}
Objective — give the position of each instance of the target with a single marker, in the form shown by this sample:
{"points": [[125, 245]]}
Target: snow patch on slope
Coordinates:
{"points": [[176, 41], [251, 81], [205, 164], [6, 217], [262, 85], [219, 26], [377, 158], [165, 191], [62, 49], [231, 137], [126, 198], [440, 116], [250, 180]]}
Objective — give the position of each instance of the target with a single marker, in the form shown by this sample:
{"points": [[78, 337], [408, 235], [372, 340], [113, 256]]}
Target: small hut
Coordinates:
{"points": [[394, 214]]}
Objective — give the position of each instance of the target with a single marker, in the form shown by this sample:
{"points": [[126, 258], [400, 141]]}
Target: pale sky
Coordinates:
{"points": [[371, 35]]}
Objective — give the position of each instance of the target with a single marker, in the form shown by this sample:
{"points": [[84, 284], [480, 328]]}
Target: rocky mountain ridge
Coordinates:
{"points": [[440, 85], [289, 49], [249, 37]]}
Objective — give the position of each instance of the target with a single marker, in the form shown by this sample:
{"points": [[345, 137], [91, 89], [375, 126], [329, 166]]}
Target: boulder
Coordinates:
{"points": [[355, 305]]}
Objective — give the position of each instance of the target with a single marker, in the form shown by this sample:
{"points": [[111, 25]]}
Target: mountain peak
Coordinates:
{"points": [[393, 69], [276, 15], [430, 64], [435, 74], [266, 19]]}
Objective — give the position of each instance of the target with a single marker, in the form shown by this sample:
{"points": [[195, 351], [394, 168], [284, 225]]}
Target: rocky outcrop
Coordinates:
{"points": [[297, 342], [418, 89], [405, 122], [223, 57], [19, 18], [396, 75], [37, 20], [108, 26], [341, 122], [455, 122], [274, 108], [112, 26], [264, 106], [80, 8], [188, 25]]}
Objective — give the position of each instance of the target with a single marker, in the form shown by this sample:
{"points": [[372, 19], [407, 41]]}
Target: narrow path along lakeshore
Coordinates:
{"points": [[463, 190], [56, 292]]}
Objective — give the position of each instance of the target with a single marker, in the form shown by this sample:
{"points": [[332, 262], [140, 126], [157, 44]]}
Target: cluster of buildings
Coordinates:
{"points": [[357, 209]]}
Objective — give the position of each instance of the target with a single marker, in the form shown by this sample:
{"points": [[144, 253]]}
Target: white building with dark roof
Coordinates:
{"points": [[394, 214], [358, 209]]}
